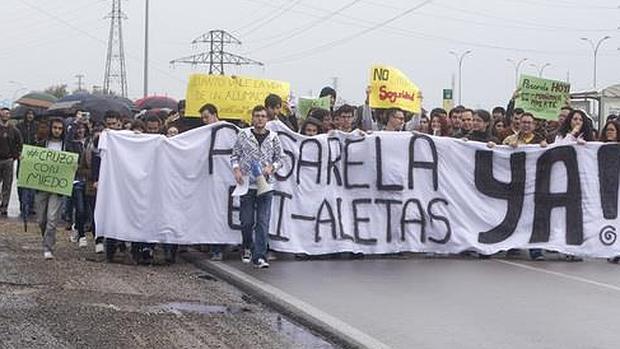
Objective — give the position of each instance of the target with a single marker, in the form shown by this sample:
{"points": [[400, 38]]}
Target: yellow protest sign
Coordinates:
{"points": [[390, 88], [234, 96]]}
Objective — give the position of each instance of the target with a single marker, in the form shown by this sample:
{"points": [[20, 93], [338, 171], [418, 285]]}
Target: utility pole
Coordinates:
{"points": [[146, 48], [79, 78], [216, 58], [115, 70]]}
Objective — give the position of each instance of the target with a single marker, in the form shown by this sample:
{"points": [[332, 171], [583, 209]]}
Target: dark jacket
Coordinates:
{"points": [[480, 136], [10, 142], [28, 131], [79, 148], [290, 121]]}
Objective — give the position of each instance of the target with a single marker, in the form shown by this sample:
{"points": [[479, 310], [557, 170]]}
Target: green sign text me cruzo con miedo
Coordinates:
{"points": [[47, 170]]}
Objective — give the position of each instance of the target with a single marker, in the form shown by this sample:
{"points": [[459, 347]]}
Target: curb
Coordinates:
{"points": [[333, 329]]}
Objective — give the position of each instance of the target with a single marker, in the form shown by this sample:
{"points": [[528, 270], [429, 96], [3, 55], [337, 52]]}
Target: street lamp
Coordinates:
{"points": [[459, 60], [517, 66], [15, 94], [595, 48], [541, 69], [146, 48]]}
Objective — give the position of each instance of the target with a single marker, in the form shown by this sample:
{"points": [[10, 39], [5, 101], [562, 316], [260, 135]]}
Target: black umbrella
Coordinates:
{"points": [[20, 111], [95, 104]]}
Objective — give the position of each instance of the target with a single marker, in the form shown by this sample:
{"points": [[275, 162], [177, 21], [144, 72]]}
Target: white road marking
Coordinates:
{"points": [[561, 275]]}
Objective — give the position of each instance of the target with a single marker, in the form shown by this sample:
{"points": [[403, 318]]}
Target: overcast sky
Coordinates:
{"points": [[309, 42]]}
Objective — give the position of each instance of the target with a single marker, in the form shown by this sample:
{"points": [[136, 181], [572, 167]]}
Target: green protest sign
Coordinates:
{"points": [[47, 170], [542, 97], [305, 104]]}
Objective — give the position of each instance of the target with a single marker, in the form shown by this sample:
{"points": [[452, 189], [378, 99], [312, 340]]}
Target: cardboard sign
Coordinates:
{"points": [[542, 97], [234, 96], [305, 104], [390, 88], [47, 170]]}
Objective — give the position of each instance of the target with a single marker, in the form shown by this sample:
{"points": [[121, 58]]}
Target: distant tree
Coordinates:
{"points": [[57, 90]]}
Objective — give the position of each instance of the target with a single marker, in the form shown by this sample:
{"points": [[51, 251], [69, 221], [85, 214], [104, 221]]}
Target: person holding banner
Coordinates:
{"points": [[439, 125], [273, 105], [577, 128], [467, 118], [481, 128], [48, 205], [344, 117], [455, 116], [311, 127], [396, 120], [208, 114], [611, 134], [526, 133], [257, 155]]}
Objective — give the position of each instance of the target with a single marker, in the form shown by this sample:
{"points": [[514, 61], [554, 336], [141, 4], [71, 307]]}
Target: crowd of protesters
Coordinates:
{"points": [[79, 134]]}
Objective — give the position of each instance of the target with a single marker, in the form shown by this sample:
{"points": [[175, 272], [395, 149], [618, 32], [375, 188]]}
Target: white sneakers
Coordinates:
{"points": [[82, 242], [73, 236], [261, 264], [99, 248], [48, 255], [247, 256]]}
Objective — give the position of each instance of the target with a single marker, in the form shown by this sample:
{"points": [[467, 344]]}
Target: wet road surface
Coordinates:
{"points": [[422, 302]]}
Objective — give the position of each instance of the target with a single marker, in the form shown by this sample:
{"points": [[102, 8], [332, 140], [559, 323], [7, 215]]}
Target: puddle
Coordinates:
{"points": [[299, 336], [198, 308], [207, 277]]}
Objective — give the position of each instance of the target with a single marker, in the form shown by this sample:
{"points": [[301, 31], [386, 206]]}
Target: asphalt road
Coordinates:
{"points": [[419, 302]]}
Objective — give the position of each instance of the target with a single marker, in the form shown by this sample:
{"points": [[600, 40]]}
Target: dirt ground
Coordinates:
{"points": [[78, 300]]}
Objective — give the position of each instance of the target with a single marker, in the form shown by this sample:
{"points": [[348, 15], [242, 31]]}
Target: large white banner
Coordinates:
{"points": [[378, 193]]}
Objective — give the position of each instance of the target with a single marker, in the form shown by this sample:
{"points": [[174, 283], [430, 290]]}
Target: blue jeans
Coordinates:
{"points": [[255, 215], [26, 201], [67, 209], [78, 201]]}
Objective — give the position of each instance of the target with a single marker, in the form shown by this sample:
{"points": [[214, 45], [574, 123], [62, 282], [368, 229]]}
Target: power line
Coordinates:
{"points": [[536, 24], [505, 21], [302, 29], [566, 4], [260, 23], [421, 35], [100, 41], [319, 48], [255, 15]]}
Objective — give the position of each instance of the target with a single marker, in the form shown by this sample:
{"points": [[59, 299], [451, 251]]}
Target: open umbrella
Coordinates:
{"points": [[95, 104], [37, 100], [20, 111], [156, 102]]}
